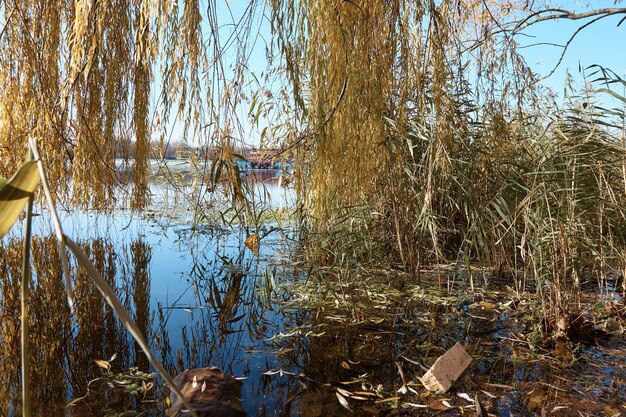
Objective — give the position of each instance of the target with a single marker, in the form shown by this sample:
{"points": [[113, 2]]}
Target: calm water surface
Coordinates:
{"points": [[201, 297], [204, 299]]}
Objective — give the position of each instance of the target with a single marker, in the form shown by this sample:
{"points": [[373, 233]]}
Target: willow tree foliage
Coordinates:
{"points": [[93, 79], [357, 65]]}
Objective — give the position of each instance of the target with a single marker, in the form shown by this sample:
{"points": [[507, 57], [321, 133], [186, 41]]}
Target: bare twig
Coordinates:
{"points": [[570, 40], [556, 14], [7, 22]]}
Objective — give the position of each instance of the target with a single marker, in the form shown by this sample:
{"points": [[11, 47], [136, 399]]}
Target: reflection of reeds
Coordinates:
{"points": [[103, 287], [63, 347]]}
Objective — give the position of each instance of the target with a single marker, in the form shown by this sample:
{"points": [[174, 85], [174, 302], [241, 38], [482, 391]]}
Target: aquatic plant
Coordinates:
{"points": [[431, 142]]}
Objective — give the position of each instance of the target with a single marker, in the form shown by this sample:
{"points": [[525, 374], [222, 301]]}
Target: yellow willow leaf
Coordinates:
{"points": [[252, 242], [343, 401], [103, 364], [15, 193]]}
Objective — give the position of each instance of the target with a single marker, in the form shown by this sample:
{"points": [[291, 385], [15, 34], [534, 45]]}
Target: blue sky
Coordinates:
{"points": [[602, 43]]}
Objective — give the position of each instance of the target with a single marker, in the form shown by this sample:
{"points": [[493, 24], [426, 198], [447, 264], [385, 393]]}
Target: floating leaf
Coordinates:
{"points": [[488, 394], [480, 410], [387, 400], [343, 401], [252, 242], [371, 394], [15, 193], [103, 364], [416, 405], [465, 396]]}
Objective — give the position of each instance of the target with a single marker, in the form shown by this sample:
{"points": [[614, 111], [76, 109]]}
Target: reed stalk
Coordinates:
{"points": [[25, 331]]}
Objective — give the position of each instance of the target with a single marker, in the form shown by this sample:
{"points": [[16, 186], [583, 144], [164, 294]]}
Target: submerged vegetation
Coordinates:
{"points": [[441, 195]]}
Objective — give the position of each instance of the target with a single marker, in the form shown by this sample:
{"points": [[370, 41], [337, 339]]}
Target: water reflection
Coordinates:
{"points": [[203, 299], [199, 299]]}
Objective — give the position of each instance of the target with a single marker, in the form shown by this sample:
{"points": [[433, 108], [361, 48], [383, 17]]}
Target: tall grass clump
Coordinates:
{"points": [[430, 143]]}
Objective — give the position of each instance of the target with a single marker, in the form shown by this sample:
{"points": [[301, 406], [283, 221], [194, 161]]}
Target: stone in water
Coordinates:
{"points": [[447, 369]]}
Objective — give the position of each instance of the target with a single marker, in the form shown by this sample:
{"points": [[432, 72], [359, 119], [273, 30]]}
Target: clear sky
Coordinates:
{"points": [[601, 43]]}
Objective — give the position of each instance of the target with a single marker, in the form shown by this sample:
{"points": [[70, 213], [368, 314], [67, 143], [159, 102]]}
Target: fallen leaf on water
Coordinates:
{"points": [[371, 394], [386, 400], [416, 405], [465, 396], [480, 411], [252, 242], [499, 385], [103, 364], [343, 401], [411, 361], [278, 371], [488, 394]]}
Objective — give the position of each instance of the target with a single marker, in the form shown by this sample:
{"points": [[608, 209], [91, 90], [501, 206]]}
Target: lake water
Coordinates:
{"points": [[204, 299], [198, 293]]}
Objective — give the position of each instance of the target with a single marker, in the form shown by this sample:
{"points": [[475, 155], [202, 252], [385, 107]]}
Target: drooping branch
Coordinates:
{"points": [[558, 14], [570, 40]]}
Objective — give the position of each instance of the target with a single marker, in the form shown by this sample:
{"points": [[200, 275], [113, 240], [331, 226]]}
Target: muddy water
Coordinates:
{"points": [[203, 299]]}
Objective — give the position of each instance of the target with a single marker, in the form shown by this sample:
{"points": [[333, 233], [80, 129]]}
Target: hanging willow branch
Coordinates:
{"points": [[81, 76], [364, 62]]}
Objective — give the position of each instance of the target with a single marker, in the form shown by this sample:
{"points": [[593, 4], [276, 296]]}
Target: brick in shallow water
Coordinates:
{"points": [[447, 369]]}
